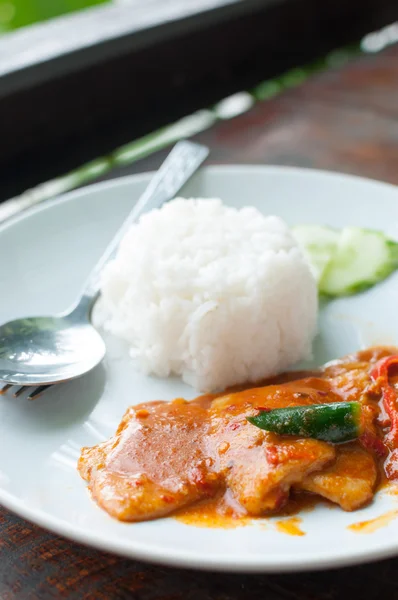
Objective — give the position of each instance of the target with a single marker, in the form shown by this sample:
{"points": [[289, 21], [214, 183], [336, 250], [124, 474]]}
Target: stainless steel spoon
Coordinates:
{"points": [[48, 350]]}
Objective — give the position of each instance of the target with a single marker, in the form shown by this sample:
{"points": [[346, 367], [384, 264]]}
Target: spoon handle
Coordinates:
{"points": [[182, 162]]}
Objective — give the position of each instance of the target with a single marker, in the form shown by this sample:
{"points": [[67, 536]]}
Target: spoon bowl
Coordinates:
{"points": [[47, 350]]}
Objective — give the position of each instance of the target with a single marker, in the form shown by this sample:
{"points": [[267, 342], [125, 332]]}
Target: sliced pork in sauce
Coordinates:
{"points": [[349, 481], [156, 463], [257, 466], [167, 455]]}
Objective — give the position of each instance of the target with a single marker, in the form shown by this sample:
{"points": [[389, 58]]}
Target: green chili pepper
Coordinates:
{"points": [[337, 422]]}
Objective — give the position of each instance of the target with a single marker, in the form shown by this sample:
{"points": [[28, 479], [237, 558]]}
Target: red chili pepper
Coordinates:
{"points": [[167, 499], [391, 465], [370, 442], [272, 454], [234, 426], [380, 375]]}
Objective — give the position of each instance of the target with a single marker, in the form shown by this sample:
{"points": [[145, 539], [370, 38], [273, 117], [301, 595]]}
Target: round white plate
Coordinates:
{"points": [[45, 256]]}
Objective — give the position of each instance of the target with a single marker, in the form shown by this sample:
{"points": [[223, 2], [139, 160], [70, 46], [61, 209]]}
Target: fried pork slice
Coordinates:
{"points": [[166, 455], [154, 464], [259, 467], [350, 481]]}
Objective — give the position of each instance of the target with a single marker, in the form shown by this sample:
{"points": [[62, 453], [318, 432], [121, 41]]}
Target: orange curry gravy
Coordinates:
{"points": [[204, 463]]}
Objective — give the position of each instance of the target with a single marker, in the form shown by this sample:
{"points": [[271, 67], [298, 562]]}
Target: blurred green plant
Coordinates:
{"points": [[19, 13]]}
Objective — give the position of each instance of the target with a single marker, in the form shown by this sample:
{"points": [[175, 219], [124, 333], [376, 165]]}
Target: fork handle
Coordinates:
{"points": [[182, 162]]}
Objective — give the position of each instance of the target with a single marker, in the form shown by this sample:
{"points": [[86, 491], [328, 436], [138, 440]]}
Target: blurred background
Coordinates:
{"points": [[91, 89], [19, 13]]}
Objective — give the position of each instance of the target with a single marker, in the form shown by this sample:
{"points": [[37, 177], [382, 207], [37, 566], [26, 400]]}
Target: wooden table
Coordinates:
{"points": [[345, 120]]}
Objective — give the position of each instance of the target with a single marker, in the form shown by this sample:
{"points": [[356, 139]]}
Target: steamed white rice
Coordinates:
{"points": [[217, 295]]}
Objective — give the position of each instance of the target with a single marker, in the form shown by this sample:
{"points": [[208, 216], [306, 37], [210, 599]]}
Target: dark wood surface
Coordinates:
{"points": [[76, 89], [344, 120]]}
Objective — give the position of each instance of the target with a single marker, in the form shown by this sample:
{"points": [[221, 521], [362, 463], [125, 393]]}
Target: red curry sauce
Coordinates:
{"points": [[203, 462]]}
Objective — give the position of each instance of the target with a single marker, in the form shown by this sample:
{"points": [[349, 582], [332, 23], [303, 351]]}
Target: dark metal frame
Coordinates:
{"points": [[68, 44], [79, 86]]}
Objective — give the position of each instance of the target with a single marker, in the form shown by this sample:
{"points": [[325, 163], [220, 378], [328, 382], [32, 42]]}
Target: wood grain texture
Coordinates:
{"points": [[343, 120], [35, 565]]}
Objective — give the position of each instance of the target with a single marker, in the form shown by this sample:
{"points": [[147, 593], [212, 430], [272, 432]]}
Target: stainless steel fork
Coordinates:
{"points": [[16, 390], [40, 351]]}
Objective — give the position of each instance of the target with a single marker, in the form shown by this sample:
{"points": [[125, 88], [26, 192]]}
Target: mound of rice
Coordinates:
{"points": [[217, 295]]}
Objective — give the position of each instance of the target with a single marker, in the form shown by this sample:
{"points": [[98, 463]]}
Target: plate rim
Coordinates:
{"points": [[181, 559], [212, 168], [149, 552]]}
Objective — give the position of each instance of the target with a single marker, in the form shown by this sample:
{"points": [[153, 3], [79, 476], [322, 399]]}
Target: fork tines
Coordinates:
{"points": [[18, 390]]}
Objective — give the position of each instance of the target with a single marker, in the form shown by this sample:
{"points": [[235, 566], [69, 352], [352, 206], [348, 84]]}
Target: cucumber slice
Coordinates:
{"points": [[318, 245], [361, 259]]}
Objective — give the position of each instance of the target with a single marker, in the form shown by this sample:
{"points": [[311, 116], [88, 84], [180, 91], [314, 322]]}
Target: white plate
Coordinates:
{"points": [[45, 256]]}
